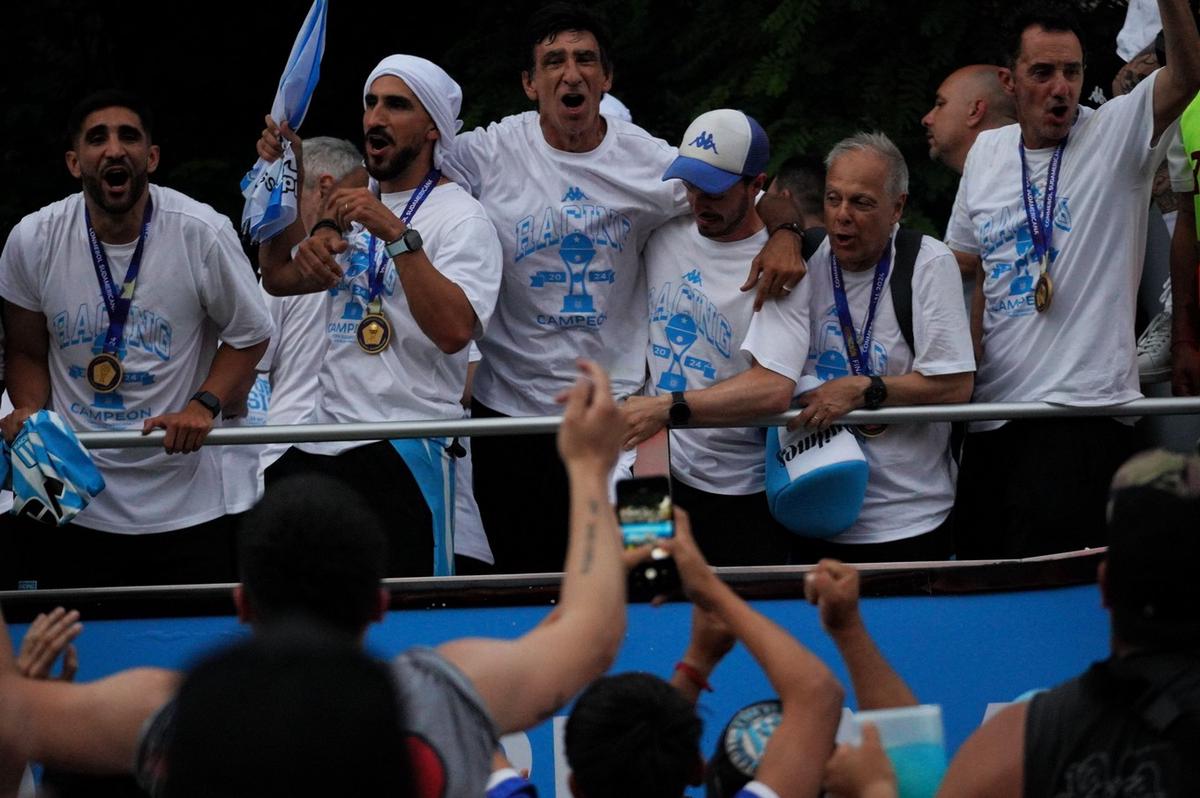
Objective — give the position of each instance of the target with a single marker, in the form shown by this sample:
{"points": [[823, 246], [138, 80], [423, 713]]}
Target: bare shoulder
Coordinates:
{"points": [[990, 764]]}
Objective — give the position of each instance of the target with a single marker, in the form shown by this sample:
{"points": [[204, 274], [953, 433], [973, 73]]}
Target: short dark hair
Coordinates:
{"points": [[294, 711], [310, 548], [1154, 542], [1050, 16], [555, 18], [804, 177], [107, 98], [633, 735]]}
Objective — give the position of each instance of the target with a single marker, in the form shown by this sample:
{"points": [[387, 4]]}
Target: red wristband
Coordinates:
{"points": [[693, 675]]}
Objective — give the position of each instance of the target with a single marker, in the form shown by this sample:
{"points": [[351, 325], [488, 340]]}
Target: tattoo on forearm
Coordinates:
{"points": [[590, 539]]}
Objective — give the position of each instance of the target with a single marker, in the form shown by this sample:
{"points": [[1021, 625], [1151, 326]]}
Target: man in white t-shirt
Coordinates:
{"points": [[700, 363], [115, 300], [574, 196], [1053, 213], [910, 489], [401, 306], [286, 390]]}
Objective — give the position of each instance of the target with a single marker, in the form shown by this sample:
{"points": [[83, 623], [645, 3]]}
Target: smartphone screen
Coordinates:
{"points": [[644, 510]]}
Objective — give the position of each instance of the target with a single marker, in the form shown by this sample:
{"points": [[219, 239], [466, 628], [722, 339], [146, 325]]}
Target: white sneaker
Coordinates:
{"points": [[1154, 349]]}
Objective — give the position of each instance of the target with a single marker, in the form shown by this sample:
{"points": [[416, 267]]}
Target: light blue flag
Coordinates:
{"points": [[270, 188], [53, 476]]}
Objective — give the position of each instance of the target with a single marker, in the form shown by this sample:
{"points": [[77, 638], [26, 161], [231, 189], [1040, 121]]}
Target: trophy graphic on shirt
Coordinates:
{"points": [[577, 253], [681, 334]]}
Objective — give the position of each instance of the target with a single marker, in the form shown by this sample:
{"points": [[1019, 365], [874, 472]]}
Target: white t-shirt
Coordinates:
{"points": [[698, 320], [910, 489], [1080, 351], [195, 286], [412, 379], [572, 226]]}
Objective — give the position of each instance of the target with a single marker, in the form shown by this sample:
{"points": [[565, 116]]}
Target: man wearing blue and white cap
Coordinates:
{"points": [[401, 306], [711, 357]]}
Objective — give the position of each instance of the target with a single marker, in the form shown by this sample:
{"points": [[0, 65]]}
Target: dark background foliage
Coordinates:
{"points": [[811, 72]]}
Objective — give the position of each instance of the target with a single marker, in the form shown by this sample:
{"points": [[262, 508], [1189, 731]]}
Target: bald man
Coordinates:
{"points": [[969, 101]]}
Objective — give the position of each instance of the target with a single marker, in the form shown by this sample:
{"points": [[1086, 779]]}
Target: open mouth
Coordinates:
{"points": [[377, 140], [116, 177], [572, 100], [1060, 113]]}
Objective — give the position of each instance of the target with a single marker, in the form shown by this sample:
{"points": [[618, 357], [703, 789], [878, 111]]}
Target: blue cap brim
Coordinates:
{"points": [[703, 176]]}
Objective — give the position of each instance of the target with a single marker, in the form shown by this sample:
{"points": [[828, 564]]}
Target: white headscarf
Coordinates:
{"points": [[440, 95]]}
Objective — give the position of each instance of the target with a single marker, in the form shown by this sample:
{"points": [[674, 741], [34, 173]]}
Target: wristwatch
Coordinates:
{"points": [[680, 413], [795, 228], [875, 394], [210, 401], [409, 241]]}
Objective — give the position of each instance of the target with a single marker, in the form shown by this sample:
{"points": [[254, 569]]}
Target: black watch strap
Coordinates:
{"points": [[875, 394], [795, 228], [680, 413], [209, 400], [321, 223]]}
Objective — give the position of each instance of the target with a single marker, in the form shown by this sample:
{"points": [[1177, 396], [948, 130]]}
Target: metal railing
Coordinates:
{"points": [[548, 424]]}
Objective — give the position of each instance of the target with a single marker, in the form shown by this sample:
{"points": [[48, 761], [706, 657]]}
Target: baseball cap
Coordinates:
{"points": [[718, 148]]}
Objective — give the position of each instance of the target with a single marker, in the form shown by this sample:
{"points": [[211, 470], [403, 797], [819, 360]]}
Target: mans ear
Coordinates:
{"points": [[527, 85], [1006, 81], [325, 184], [152, 160], [73, 163], [898, 211]]}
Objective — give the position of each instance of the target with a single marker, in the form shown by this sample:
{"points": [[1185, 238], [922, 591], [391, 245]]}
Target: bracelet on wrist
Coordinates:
{"points": [[327, 222], [795, 228], [693, 675]]}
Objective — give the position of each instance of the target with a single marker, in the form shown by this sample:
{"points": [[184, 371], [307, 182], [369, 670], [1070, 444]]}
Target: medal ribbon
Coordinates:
{"points": [[377, 271], [858, 347], [117, 305], [1041, 225]]}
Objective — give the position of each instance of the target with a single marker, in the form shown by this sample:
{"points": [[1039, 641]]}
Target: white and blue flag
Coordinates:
{"points": [[270, 188], [53, 476]]}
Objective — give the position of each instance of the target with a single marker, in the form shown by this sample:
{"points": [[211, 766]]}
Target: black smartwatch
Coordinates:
{"points": [[409, 241], [875, 393], [209, 400], [680, 413]]}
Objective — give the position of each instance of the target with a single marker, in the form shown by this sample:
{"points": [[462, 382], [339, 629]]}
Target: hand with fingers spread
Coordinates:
{"points": [[861, 771], [780, 266], [49, 637]]}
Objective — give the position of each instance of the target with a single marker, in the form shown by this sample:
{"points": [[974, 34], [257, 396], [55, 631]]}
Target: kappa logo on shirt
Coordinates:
{"points": [[705, 142], [694, 277], [574, 194]]}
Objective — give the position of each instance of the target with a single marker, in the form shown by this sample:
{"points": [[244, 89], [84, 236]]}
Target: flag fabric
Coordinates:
{"points": [[270, 188], [53, 476]]}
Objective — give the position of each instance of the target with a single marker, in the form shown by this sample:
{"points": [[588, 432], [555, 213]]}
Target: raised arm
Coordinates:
{"points": [[1179, 80], [526, 680], [794, 761], [834, 588]]}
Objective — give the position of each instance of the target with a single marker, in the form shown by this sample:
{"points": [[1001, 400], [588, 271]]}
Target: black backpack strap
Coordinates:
{"points": [[908, 244], [813, 237]]}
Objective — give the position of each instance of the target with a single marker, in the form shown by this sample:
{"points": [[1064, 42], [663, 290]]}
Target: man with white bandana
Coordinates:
{"points": [[415, 280]]}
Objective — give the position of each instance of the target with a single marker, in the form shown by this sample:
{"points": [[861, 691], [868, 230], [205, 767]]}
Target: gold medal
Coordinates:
{"points": [[872, 430], [1043, 293], [374, 333], [105, 373]]}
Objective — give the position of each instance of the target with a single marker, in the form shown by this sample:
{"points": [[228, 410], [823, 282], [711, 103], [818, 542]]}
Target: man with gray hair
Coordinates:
{"points": [[886, 326]]}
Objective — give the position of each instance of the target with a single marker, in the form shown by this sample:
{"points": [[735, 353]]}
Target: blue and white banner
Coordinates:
{"points": [[53, 476], [270, 188]]}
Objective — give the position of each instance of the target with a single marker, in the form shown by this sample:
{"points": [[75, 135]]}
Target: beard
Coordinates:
{"points": [[393, 167], [729, 223], [93, 186]]}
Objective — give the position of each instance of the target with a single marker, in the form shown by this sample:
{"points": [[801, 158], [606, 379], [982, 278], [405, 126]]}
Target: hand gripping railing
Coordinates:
{"points": [[547, 424]]}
